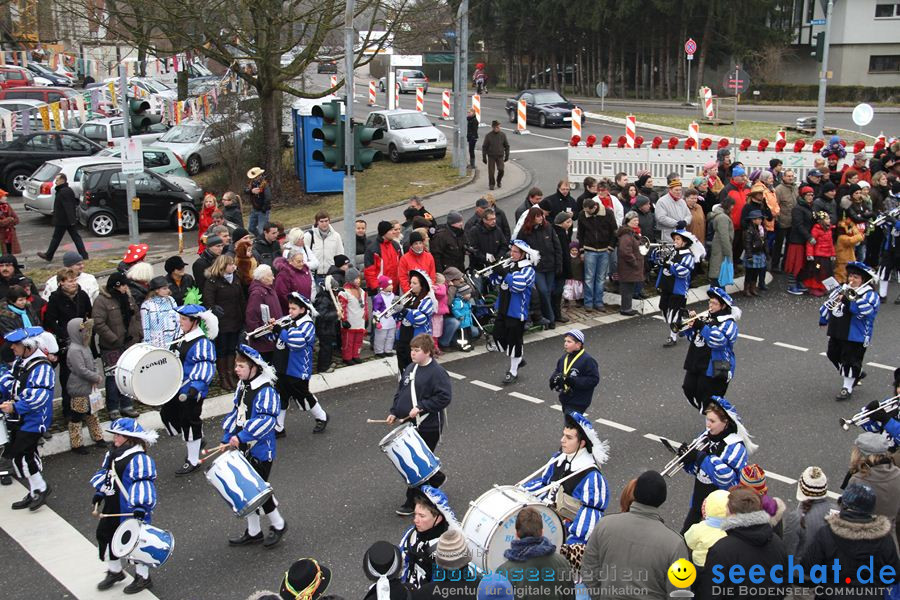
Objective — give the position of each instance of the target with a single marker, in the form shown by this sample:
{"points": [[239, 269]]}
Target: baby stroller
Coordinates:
{"points": [[483, 313]]}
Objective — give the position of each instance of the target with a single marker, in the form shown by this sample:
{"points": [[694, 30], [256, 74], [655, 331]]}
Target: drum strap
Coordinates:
{"points": [[412, 392]]}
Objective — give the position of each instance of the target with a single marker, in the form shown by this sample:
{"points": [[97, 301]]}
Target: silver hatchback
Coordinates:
{"points": [[409, 80]]}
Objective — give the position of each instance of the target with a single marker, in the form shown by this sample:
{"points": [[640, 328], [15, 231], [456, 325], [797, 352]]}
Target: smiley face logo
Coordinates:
{"points": [[682, 573]]}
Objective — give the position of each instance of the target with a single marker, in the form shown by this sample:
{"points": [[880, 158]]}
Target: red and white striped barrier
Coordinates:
{"points": [[694, 134], [630, 126], [708, 109], [576, 121], [780, 136], [420, 99], [445, 105], [371, 93], [521, 122], [476, 107], [334, 81], [396, 94]]}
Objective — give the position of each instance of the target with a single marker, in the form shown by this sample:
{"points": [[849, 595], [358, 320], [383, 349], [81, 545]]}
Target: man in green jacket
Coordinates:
{"points": [[495, 152], [531, 553]]}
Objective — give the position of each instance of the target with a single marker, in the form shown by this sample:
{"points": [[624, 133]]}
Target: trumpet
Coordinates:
{"points": [[645, 245], [687, 324], [400, 301], [894, 213], [860, 418], [701, 442], [505, 262], [268, 327], [666, 250], [845, 292]]}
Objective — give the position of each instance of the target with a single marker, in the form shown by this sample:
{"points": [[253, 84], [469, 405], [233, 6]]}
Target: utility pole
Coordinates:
{"points": [[462, 143], [349, 178], [823, 74], [458, 104], [130, 193]]}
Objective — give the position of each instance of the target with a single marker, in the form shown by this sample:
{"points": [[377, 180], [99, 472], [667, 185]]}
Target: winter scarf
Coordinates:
{"points": [[26, 322], [520, 550]]}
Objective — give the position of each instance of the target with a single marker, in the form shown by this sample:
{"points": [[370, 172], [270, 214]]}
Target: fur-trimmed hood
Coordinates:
{"points": [[752, 529], [759, 517], [876, 529]]}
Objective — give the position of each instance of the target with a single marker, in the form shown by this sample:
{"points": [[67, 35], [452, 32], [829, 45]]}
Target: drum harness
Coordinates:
{"points": [[112, 474], [563, 504], [415, 401], [241, 418], [20, 374]]}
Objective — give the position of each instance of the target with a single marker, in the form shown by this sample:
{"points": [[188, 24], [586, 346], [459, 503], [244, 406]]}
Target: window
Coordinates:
{"points": [[886, 11], [43, 142], [118, 130], [147, 183], [94, 132], [14, 75], [71, 143], [155, 159], [117, 181], [885, 63]]}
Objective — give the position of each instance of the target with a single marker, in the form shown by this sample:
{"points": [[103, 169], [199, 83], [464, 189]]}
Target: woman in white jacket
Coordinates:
{"points": [[323, 242]]}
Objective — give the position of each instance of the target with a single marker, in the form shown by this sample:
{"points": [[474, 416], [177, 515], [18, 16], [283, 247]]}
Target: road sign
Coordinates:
{"points": [[132, 157], [690, 47], [602, 89], [737, 81], [862, 114], [817, 22]]}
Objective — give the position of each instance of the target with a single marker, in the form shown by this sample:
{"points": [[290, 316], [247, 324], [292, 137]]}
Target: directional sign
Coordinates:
{"points": [[690, 47], [736, 81], [132, 157], [817, 22]]}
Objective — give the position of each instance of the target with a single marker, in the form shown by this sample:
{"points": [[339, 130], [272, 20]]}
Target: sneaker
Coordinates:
{"points": [[139, 584], [795, 291], [405, 510], [802, 288], [40, 499], [187, 468], [245, 539], [274, 536], [669, 343], [110, 580], [321, 425], [510, 379], [131, 413], [844, 394]]}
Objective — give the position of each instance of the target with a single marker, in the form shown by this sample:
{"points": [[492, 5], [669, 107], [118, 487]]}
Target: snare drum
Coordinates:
{"points": [[149, 374], [410, 454], [238, 483], [490, 523], [143, 543]]}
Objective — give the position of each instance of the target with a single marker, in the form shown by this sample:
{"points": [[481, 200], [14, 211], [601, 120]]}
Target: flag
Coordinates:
{"points": [[44, 110], [8, 125], [57, 119], [112, 94], [26, 121], [178, 106], [79, 101], [206, 105]]}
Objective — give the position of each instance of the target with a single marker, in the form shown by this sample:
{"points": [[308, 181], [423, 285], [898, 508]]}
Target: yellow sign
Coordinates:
{"points": [[682, 573], [45, 116], [136, 203]]}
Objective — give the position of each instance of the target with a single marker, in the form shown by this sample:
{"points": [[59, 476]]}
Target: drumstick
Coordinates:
{"points": [[208, 455], [102, 515], [218, 448], [403, 420]]}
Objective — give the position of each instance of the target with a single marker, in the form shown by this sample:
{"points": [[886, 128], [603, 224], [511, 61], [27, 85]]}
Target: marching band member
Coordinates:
{"points": [[181, 414], [124, 484], [415, 316], [717, 466], [850, 325], [423, 394], [250, 428], [575, 471], [889, 259], [886, 421], [674, 279], [298, 338], [710, 362], [576, 374], [431, 518], [516, 284], [27, 391]]}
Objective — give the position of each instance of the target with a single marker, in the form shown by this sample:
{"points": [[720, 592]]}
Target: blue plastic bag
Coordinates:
{"points": [[726, 273]]}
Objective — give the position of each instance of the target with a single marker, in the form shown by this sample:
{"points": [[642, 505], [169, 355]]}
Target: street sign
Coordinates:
{"points": [[132, 157], [817, 22], [690, 47], [602, 89], [736, 81]]}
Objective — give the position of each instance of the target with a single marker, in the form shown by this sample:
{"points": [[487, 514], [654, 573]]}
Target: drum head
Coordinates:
{"points": [[395, 432], [126, 537]]}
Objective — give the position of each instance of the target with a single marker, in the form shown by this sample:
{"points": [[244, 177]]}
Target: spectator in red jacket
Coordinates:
{"points": [[383, 256], [738, 191], [418, 258]]}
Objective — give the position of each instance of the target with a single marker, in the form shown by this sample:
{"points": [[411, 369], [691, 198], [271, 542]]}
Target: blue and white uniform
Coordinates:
{"points": [[710, 362], [298, 339], [414, 318], [674, 279], [889, 258]]}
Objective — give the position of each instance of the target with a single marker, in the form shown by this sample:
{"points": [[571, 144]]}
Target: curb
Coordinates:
{"points": [[387, 367]]}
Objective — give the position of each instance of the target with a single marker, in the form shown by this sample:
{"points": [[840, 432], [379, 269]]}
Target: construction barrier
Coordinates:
{"points": [[576, 121], [780, 136], [334, 81], [420, 99], [521, 122], [630, 126], [396, 94], [694, 134], [708, 109], [445, 105], [371, 93], [476, 106]]}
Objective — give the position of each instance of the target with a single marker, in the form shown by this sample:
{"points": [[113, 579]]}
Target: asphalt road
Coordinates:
{"points": [[337, 490]]}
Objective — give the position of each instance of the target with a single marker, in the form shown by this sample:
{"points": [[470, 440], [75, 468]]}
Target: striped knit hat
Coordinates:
{"points": [[813, 484], [752, 476]]}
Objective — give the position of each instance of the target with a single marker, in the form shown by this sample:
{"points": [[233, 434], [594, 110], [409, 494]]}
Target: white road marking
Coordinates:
{"points": [[526, 397], [615, 425], [455, 375], [538, 150], [658, 438], [487, 386], [880, 366], [790, 346], [823, 354], [55, 545], [540, 135], [833, 496], [556, 407], [781, 478], [660, 317], [751, 337]]}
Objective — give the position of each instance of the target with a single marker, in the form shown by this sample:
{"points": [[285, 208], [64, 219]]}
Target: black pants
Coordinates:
{"points": [[404, 337], [509, 334], [106, 528], [472, 143], [695, 513], [495, 163], [64, 373], [670, 305], [431, 439], [847, 357], [183, 417], [626, 290], [326, 351], [698, 388], [23, 451], [58, 233], [264, 467], [293, 388], [781, 235]]}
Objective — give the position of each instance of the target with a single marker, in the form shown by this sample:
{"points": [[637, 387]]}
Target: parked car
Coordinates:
{"points": [[104, 206], [110, 131], [409, 80], [22, 156], [15, 77], [43, 93], [546, 108], [327, 65], [198, 142], [406, 133], [72, 121], [154, 87], [156, 158], [44, 75]]}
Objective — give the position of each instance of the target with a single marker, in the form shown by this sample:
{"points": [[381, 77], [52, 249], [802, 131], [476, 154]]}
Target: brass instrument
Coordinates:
{"points": [[842, 292], [399, 301], [860, 418], [645, 245], [894, 213], [687, 324], [500, 263], [268, 327], [701, 442], [666, 250]]}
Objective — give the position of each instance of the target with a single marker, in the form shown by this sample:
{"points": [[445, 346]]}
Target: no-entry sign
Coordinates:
{"points": [[690, 47]]}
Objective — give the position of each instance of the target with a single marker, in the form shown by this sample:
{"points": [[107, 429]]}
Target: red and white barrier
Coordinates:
{"points": [[396, 95], [420, 99], [371, 93], [334, 81], [521, 114], [576, 121], [445, 105], [694, 134], [708, 109], [780, 136], [630, 127], [476, 107]]}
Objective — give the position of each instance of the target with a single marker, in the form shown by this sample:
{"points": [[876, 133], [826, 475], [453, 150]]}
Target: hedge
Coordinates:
{"points": [[836, 93]]}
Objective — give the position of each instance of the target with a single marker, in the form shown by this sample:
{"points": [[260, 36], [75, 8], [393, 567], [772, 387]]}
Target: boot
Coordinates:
{"points": [[222, 368], [232, 377]]}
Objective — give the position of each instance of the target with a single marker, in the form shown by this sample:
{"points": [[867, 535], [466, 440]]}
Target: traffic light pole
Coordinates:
{"points": [[130, 192], [349, 178], [462, 41], [823, 74]]}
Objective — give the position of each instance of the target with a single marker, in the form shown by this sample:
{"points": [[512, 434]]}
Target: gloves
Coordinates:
{"points": [[558, 382], [701, 456], [690, 458], [570, 381], [667, 272], [504, 285], [809, 258], [192, 394], [812, 241], [490, 258], [345, 324], [881, 415], [218, 311], [681, 225], [139, 513], [277, 329]]}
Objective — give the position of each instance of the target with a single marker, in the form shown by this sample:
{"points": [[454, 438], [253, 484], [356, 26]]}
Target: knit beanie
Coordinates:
{"points": [[561, 218], [414, 237], [858, 502], [697, 181], [352, 275], [115, 280], [174, 263], [715, 507], [752, 476], [454, 217], [813, 484], [384, 227], [452, 551], [650, 489], [738, 171], [384, 281], [495, 587]]}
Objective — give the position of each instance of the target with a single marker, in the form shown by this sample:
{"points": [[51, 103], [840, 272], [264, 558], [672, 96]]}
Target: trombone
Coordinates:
{"points": [[687, 324], [860, 418], [400, 301], [701, 442], [268, 327], [505, 262]]}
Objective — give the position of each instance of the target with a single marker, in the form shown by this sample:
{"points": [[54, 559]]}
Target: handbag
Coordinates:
{"points": [[566, 506], [726, 273], [97, 401]]}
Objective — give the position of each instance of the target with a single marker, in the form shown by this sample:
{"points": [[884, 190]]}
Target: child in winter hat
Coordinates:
{"points": [[701, 536], [753, 477]]}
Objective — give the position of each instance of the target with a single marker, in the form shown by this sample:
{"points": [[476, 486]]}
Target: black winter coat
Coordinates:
{"points": [[472, 128], [64, 205], [230, 297], [544, 240], [178, 291], [19, 279], [565, 238], [203, 262], [61, 309], [482, 241], [750, 540], [557, 203], [597, 232], [801, 223], [448, 246]]}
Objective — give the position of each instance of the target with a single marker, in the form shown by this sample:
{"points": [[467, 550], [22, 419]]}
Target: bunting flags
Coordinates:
{"points": [[44, 111], [8, 125], [57, 120], [112, 94]]}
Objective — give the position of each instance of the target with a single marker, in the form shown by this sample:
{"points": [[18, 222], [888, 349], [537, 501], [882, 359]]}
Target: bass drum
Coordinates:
{"points": [[149, 374], [490, 523]]}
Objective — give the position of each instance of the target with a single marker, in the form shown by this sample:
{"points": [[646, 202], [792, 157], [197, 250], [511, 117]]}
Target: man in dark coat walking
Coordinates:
{"points": [[471, 135], [495, 152], [64, 219]]}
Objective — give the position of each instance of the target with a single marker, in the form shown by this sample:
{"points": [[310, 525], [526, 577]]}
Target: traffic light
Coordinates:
{"points": [[820, 46], [139, 120], [363, 156], [331, 132]]}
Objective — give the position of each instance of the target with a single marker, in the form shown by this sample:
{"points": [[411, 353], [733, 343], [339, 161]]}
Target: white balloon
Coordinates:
{"points": [[862, 114]]}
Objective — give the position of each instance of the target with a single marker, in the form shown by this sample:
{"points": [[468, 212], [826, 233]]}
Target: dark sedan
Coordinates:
{"points": [[20, 157], [545, 108]]}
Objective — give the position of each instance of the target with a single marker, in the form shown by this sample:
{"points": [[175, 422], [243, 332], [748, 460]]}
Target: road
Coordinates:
{"points": [[337, 490]]}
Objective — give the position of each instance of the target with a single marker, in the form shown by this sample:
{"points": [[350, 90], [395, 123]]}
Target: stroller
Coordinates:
{"points": [[483, 312]]}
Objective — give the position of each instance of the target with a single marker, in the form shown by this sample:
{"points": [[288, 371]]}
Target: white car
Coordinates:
{"points": [[72, 124], [406, 133], [197, 142], [111, 131]]}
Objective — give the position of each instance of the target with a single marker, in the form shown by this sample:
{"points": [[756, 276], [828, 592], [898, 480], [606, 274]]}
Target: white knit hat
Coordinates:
{"points": [[813, 484]]}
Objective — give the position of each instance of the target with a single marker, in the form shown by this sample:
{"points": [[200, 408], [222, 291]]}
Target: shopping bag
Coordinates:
{"points": [[726, 273]]}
